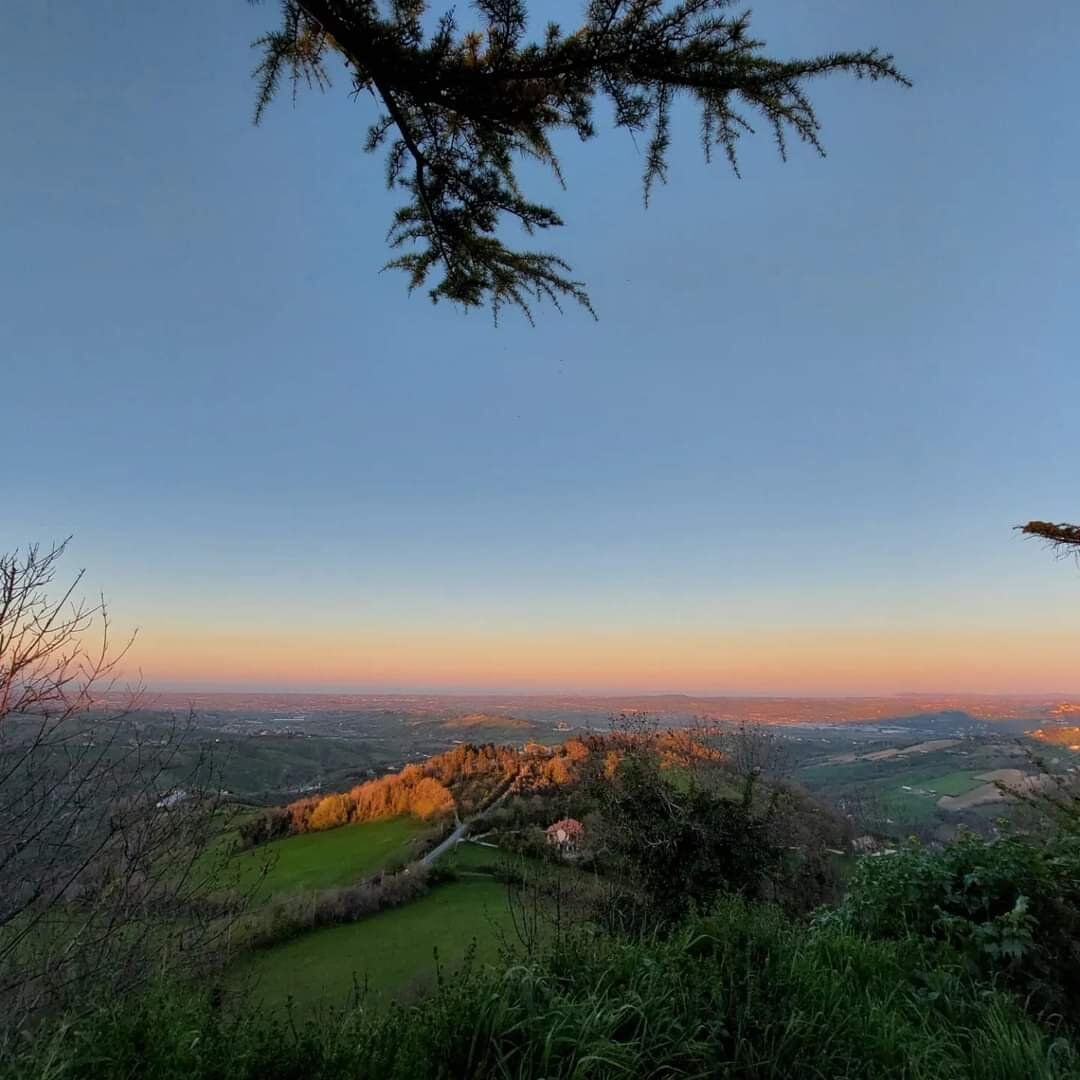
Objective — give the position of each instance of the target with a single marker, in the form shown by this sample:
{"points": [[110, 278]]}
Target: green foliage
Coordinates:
{"points": [[742, 992], [1010, 907], [460, 109], [262, 827], [677, 844]]}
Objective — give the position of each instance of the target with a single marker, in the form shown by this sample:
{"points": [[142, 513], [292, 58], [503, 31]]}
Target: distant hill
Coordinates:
{"points": [[487, 720], [343, 712], [951, 719]]}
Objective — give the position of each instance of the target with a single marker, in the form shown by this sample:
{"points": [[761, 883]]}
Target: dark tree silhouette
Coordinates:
{"points": [[1065, 539], [460, 109]]}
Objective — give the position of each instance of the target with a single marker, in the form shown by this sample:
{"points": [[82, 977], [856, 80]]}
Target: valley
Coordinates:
{"points": [[924, 775], [914, 764]]}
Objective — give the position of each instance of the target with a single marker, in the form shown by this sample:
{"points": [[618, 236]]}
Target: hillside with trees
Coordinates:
{"points": [[691, 934]]}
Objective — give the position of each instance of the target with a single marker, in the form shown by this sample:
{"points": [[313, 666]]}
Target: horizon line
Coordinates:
{"points": [[591, 693]]}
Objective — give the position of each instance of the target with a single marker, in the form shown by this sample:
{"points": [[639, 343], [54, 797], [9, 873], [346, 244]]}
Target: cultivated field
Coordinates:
{"points": [[927, 786], [390, 953]]}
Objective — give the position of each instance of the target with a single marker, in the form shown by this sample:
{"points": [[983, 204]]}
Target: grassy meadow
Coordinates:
{"points": [[468, 857], [391, 953], [914, 795], [323, 860]]}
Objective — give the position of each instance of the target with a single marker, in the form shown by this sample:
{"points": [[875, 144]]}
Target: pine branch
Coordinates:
{"points": [[468, 107]]}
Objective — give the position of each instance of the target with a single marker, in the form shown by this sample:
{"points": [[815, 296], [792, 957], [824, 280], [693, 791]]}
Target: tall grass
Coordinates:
{"points": [[742, 992]]}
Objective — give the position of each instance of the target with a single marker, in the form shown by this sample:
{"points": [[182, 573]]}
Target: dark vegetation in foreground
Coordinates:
{"points": [[691, 956], [742, 991]]}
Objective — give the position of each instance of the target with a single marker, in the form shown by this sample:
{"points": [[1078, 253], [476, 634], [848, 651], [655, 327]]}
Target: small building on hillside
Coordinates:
{"points": [[172, 799], [566, 835], [866, 845]]}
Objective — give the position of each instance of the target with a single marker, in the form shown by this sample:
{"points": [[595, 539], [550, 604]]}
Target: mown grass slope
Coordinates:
{"points": [[391, 952], [322, 860], [479, 857]]}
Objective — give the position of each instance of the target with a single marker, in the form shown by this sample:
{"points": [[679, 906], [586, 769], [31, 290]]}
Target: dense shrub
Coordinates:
{"points": [[263, 827], [1010, 906], [407, 792], [675, 845], [466, 778], [743, 992], [289, 916]]}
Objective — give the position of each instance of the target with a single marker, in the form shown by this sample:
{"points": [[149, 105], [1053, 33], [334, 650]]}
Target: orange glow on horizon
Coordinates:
{"points": [[805, 661]]}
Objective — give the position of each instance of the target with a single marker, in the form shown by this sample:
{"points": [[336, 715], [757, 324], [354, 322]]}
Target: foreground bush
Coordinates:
{"points": [[1010, 907], [743, 992]]}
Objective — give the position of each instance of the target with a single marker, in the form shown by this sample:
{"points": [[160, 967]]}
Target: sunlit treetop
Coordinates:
{"points": [[460, 109]]}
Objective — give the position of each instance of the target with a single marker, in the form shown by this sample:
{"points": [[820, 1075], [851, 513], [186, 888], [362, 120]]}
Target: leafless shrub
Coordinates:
{"points": [[105, 819], [547, 904], [752, 750], [1049, 800]]}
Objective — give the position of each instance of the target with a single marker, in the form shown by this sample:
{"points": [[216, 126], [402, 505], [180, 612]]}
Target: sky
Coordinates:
{"points": [[786, 458]]}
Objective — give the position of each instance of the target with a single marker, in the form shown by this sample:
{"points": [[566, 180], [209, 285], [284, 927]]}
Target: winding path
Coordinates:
{"points": [[461, 830]]}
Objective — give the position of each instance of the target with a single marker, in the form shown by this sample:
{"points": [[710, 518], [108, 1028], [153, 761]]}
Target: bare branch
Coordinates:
{"points": [[1063, 538], [91, 855]]}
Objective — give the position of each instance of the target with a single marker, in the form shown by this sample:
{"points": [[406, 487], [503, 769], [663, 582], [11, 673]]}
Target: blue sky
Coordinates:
{"points": [[816, 399]]}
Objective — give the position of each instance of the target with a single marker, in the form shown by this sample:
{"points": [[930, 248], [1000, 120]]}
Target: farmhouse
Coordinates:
{"points": [[567, 835]]}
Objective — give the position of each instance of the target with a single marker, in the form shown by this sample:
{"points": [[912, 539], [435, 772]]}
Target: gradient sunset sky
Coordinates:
{"points": [[786, 459]]}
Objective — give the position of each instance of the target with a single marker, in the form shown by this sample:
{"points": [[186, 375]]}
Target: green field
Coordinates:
{"points": [[322, 860], [468, 856], [934, 773], [953, 783], [913, 808], [393, 951], [939, 775], [905, 808]]}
